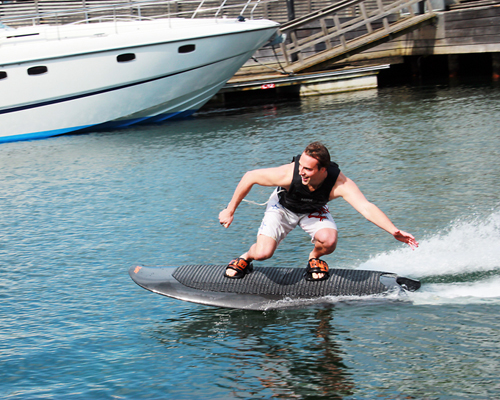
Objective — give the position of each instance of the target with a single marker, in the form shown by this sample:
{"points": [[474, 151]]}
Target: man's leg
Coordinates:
{"points": [[325, 243], [261, 250], [276, 224]]}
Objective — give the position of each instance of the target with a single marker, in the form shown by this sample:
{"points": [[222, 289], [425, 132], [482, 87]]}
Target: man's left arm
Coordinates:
{"points": [[349, 191]]}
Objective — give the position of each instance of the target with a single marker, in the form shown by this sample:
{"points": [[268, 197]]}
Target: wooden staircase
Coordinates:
{"points": [[317, 40]]}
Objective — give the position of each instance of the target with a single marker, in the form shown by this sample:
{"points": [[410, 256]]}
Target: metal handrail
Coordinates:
{"points": [[73, 15], [221, 6], [253, 9]]}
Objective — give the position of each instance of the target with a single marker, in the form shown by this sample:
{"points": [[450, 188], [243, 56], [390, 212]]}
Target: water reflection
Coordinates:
{"points": [[292, 354]]}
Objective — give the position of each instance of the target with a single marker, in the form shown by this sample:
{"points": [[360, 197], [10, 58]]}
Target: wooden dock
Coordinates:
{"points": [[321, 43]]}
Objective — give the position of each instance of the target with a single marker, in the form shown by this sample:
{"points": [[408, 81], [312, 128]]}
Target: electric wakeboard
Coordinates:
{"points": [[265, 288]]}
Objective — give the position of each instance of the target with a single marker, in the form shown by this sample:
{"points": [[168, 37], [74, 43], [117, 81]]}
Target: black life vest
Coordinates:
{"points": [[299, 199]]}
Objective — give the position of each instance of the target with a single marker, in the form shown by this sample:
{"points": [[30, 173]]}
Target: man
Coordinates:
{"points": [[304, 188]]}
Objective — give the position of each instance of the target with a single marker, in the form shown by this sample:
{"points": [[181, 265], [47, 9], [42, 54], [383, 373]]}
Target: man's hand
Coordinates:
{"points": [[226, 218], [406, 238]]}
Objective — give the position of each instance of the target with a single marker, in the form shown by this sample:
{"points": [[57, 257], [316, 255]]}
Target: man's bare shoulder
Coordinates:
{"points": [[342, 186]]}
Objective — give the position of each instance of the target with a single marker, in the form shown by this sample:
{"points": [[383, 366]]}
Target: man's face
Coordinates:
{"points": [[309, 171]]}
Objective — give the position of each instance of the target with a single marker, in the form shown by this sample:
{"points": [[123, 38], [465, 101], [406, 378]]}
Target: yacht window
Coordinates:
{"points": [[125, 57], [38, 70], [187, 48], [3, 74]]}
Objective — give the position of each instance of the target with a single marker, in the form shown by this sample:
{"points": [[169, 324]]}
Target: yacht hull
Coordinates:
{"points": [[124, 79]]}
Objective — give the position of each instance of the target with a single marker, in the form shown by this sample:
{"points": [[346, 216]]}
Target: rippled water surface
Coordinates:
{"points": [[77, 211]]}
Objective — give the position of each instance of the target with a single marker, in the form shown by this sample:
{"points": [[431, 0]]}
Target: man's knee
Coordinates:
{"points": [[328, 239], [263, 254], [264, 248]]}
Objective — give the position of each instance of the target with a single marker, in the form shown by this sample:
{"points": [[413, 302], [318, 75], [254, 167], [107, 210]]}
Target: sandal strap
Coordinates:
{"points": [[239, 264], [317, 266]]}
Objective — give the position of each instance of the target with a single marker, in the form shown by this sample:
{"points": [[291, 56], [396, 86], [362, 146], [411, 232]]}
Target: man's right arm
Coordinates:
{"points": [[279, 176]]}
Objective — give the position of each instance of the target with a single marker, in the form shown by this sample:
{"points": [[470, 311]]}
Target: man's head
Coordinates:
{"points": [[319, 152], [313, 164]]}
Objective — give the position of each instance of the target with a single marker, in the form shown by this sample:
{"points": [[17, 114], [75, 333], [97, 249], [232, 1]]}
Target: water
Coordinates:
{"points": [[77, 211]]}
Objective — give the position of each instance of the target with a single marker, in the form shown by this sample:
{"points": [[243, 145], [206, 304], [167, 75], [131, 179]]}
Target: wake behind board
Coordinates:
{"points": [[264, 288]]}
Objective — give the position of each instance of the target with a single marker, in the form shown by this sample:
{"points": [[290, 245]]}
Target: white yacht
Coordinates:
{"points": [[115, 70]]}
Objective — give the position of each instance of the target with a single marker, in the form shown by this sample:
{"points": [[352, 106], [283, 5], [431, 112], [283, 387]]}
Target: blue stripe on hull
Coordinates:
{"points": [[122, 124], [177, 115], [39, 135]]}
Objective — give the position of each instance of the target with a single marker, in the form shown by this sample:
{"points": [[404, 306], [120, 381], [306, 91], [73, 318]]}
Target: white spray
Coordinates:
{"points": [[461, 265]]}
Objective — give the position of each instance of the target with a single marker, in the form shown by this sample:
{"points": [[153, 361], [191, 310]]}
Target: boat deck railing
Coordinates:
{"points": [[36, 12]]}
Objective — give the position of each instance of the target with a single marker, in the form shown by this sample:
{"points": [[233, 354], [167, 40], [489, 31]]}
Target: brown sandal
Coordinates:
{"points": [[317, 266], [241, 266]]}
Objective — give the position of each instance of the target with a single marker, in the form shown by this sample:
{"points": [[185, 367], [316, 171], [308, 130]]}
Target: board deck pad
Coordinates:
{"points": [[266, 287], [281, 281]]}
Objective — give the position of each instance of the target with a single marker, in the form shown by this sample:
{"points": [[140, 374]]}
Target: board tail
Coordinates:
{"points": [[408, 284]]}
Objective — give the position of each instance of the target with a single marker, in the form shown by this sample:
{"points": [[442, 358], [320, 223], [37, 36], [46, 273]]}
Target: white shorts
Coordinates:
{"points": [[278, 221]]}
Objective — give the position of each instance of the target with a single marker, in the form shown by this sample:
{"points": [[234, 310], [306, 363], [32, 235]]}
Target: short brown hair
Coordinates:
{"points": [[318, 151]]}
